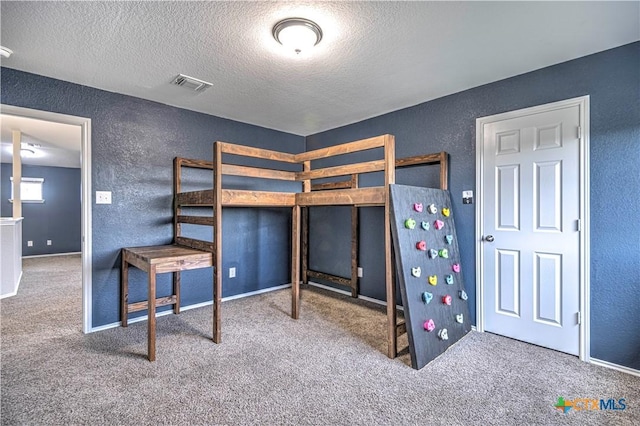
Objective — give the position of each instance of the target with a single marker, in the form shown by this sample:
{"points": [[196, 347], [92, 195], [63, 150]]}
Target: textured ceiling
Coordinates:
{"points": [[375, 57]]}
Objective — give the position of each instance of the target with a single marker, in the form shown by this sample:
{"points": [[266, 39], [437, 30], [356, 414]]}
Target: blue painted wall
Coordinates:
{"points": [[612, 79], [57, 219], [134, 142]]}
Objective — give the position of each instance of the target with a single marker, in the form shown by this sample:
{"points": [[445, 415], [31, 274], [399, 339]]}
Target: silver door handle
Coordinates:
{"points": [[489, 238]]}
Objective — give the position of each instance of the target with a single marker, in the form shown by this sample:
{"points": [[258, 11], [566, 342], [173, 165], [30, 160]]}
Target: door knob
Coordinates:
{"points": [[489, 238]]}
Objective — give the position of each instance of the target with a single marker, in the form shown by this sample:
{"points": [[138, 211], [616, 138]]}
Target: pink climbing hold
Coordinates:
{"points": [[429, 325], [438, 224], [446, 299], [417, 207], [456, 267]]}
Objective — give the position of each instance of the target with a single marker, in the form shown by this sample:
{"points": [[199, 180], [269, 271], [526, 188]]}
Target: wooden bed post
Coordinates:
{"points": [[306, 187], [295, 262], [217, 240], [354, 242], [389, 178]]}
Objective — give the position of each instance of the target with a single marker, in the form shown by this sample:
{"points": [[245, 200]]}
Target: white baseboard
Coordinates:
{"points": [[348, 293], [189, 307], [51, 255], [616, 367]]}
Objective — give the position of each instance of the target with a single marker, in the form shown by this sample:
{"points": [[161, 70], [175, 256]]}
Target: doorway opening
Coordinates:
{"points": [[84, 126]]}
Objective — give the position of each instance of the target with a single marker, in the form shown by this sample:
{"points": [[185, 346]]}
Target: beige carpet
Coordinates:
{"points": [[327, 368]]}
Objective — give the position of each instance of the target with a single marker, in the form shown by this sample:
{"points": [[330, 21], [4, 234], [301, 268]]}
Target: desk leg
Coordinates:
{"points": [[176, 292], [152, 314], [124, 290]]}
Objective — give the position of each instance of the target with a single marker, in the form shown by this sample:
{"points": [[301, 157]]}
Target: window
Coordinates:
{"points": [[30, 190]]}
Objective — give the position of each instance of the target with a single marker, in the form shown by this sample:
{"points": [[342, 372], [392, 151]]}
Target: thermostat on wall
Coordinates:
{"points": [[467, 197]]}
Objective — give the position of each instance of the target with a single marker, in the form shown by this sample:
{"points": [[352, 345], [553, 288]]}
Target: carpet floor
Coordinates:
{"points": [[327, 368]]}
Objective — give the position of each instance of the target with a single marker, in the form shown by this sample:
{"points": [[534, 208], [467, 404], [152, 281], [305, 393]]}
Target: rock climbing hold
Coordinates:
{"points": [[433, 253], [448, 239], [438, 224], [449, 279], [429, 325], [456, 267], [460, 318], [432, 209], [424, 225], [446, 299], [446, 212], [410, 223], [443, 334], [463, 295], [444, 253], [421, 245], [433, 279], [426, 297], [416, 271], [417, 207]]}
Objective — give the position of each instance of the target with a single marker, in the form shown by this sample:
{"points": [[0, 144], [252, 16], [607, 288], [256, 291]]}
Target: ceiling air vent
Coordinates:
{"points": [[192, 83]]}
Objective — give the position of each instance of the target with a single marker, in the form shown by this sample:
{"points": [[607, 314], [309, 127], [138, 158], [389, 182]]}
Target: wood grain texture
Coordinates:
{"points": [[248, 151], [331, 185], [196, 244], [343, 197], [217, 241], [295, 262], [345, 148], [389, 179], [196, 220], [160, 301], [151, 309], [242, 198], [344, 170], [330, 277], [257, 172]]}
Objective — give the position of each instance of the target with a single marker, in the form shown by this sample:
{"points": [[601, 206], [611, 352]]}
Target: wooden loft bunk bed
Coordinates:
{"points": [[165, 258], [440, 158]]}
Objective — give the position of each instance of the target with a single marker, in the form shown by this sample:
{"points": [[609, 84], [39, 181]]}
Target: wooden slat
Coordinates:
{"points": [[142, 306], [401, 328], [177, 185], [196, 220], [326, 172], [343, 197], [248, 151], [345, 148], [444, 171], [202, 198], [196, 164], [354, 249], [195, 244], [330, 277], [217, 242], [418, 160], [389, 178], [257, 172], [242, 198], [331, 185], [295, 262]]}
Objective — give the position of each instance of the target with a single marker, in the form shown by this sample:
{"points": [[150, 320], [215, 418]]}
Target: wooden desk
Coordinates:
{"points": [[156, 260]]}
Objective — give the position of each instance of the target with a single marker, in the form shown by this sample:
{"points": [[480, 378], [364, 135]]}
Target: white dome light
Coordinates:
{"points": [[297, 34]]}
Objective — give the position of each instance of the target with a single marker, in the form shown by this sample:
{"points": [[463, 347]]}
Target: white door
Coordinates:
{"points": [[530, 218]]}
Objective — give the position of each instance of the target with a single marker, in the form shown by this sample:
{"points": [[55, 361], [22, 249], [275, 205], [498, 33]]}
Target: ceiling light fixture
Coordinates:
{"points": [[5, 52], [297, 34], [26, 152]]}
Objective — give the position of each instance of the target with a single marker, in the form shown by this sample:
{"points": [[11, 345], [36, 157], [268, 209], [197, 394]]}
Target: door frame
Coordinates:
{"points": [[86, 199], [584, 269]]}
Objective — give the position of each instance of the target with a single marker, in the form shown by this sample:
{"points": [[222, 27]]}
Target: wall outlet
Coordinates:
{"points": [[359, 272], [103, 197], [29, 243], [232, 272], [48, 242]]}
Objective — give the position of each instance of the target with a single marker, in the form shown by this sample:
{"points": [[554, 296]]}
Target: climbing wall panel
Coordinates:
{"points": [[428, 270]]}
